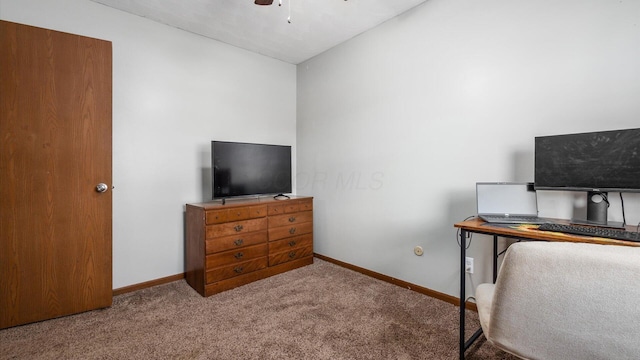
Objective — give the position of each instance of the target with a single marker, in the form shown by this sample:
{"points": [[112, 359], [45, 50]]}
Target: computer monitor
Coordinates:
{"points": [[595, 162]]}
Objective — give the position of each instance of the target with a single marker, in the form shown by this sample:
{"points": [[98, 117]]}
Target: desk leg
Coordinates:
{"points": [[463, 254], [495, 258]]}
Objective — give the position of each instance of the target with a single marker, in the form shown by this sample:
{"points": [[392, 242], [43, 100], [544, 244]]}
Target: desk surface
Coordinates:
{"points": [[530, 232]]}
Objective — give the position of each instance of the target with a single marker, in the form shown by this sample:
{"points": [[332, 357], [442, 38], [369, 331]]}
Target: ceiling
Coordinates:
{"points": [[315, 25]]}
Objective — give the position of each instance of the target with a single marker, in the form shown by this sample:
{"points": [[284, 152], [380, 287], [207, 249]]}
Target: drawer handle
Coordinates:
{"points": [[238, 228], [239, 242], [292, 231], [292, 219], [238, 269], [292, 243], [292, 255], [238, 255]]}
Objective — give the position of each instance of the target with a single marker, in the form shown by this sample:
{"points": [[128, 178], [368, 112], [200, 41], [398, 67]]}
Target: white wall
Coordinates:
{"points": [[173, 92], [390, 124], [396, 126]]}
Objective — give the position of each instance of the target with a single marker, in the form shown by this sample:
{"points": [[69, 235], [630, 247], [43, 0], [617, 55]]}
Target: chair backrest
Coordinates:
{"points": [[568, 301]]}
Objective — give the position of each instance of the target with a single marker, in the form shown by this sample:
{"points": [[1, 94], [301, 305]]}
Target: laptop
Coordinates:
{"points": [[507, 203]]}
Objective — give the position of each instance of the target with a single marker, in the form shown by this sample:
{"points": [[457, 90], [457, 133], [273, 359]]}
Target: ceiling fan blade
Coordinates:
{"points": [[263, 2]]}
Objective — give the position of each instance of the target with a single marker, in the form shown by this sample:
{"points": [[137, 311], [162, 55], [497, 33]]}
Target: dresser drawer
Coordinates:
{"points": [[290, 219], [290, 231], [235, 228], [235, 241], [305, 205], [282, 209], [290, 206], [220, 216], [236, 256], [229, 271], [290, 243], [283, 257]]}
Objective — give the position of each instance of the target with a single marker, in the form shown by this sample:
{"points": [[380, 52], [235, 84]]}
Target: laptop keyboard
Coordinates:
{"points": [[514, 219]]}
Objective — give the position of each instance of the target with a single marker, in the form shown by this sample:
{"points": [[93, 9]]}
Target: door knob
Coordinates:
{"points": [[102, 187]]}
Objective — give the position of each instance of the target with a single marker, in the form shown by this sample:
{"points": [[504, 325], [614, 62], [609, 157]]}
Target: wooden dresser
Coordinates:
{"points": [[246, 240]]}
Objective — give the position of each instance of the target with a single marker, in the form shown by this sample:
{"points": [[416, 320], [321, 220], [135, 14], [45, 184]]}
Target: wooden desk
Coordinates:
{"points": [[521, 232]]}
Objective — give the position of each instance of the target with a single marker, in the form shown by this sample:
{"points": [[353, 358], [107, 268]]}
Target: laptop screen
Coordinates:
{"points": [[501, 198]]}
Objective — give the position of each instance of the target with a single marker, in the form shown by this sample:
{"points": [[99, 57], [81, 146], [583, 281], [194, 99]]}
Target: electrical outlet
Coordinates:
{"points": [[468, 265]]}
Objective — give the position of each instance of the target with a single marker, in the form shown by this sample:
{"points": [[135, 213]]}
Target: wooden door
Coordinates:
{"points": [[55, 132]]}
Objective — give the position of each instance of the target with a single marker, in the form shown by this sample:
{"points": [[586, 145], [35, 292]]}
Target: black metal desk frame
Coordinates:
{"points": [[465, 344]]}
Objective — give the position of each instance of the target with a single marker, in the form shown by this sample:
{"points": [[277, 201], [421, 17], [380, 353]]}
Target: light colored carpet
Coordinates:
{"points": [[321, 311]]}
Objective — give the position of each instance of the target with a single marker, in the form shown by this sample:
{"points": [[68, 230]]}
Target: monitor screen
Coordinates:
{"points": [[244, 169], [597, 161]]}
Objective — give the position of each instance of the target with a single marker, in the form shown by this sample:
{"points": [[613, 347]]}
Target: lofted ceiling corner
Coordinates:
{"points": [[293, 32]]}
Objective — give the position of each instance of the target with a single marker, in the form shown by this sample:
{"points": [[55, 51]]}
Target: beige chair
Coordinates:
{"points": [[556, 300]]}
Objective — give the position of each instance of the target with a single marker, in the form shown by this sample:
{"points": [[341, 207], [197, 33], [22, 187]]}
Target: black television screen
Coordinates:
{"points": [[245, 169], [596, 161]]}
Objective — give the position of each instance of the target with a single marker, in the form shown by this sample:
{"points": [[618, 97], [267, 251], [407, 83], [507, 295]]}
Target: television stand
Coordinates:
{"points": [[281, 196], [246, 240]]}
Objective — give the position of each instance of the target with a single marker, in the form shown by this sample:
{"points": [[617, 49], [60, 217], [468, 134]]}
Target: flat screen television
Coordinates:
{"points": [[246, 169], [595, 162]]}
